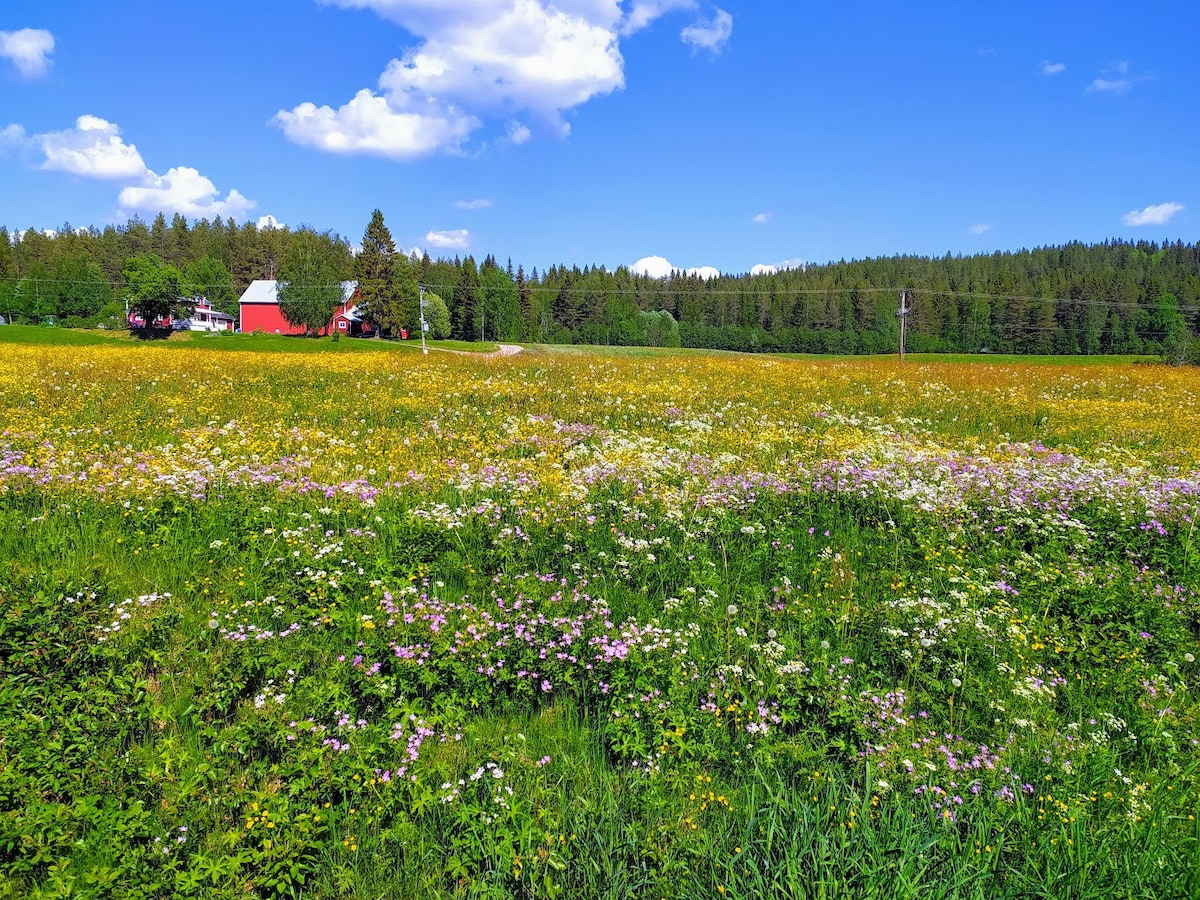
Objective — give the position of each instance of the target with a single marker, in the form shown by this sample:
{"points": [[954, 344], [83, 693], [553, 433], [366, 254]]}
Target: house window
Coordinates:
{"points": [[342, 326]]}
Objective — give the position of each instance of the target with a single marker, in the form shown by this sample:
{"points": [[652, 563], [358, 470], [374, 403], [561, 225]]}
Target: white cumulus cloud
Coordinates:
{"points": [[652, 266], [775, 268], [1157, 214], [1049, 68], [183, 190], [29, 50], [268, 222], [709, 34], [475, 61], [95, 149], [478, 203], [979, 229], [660, 267], [763, 218], [373, 124], [457, 239]]}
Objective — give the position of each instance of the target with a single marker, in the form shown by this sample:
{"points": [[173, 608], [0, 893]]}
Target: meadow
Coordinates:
{"points": [[594, 625]]}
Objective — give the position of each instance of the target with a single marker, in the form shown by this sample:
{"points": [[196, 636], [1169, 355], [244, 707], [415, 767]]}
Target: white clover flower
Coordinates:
{"points": [[957, 682], [732, 609]]}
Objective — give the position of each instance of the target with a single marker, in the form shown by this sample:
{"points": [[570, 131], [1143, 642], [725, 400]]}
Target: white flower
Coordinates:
{"points": [[1189, 657], [731, 609], [957, 682]]}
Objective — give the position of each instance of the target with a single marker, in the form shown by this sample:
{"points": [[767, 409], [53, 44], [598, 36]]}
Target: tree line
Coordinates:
{"points": [[1113, 297]]}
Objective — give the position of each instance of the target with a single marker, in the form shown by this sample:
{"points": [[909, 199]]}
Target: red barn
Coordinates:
{"points": [[259, 308]]}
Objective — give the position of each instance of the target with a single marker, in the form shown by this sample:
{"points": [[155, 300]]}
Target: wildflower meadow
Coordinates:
{"points": [[583, 625]]}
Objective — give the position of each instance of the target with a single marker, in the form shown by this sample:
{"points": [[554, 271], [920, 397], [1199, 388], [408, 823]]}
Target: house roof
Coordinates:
{"points": [[264, 291]]}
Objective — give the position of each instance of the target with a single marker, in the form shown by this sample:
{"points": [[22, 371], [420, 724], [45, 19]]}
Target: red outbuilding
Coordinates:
{"points": [[259, 308]]}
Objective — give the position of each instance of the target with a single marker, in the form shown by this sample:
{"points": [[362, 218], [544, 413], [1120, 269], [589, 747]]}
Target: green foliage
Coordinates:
{"points": [[209, 278], [660, 329], [466, 689], [1168, 323], [437, 316], [310, 280], [81, 288], [1099, 299], [156, 289], [498, 311], [373, 270]]}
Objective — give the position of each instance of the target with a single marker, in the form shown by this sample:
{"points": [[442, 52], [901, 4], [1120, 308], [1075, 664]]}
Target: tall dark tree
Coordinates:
{"points": [[466, 297], [373, 269], [405, 294], [498, 311]]}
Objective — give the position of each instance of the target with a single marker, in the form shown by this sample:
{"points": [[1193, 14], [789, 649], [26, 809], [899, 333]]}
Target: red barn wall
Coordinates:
{"points": [[266, 317]]}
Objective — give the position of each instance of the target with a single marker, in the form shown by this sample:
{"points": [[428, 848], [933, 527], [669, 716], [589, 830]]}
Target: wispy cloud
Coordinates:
{"points": [[763, 218], [979, 229], [518, 133], [457, 239], [478, 203], [29, 50], [1116, 79], [1157, 214], [1110, 85], [643, 12], [709, 34], [1049, 68]]}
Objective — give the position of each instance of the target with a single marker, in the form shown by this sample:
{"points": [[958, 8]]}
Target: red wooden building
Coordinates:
{"points": [[259, 311]]}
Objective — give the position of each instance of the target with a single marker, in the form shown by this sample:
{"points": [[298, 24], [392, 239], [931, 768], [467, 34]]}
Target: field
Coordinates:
{"points": [[585, 625]]}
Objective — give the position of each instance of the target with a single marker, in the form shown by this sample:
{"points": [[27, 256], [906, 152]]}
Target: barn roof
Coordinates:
{"points": [[264, 291]]}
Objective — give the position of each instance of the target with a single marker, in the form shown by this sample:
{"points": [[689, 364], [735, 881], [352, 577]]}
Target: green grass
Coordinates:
{"points": [[38, 335], [196, 749], [228, 341]]}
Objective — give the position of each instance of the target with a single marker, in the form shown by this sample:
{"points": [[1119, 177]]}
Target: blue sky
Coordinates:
{"points": [[710, 133]]}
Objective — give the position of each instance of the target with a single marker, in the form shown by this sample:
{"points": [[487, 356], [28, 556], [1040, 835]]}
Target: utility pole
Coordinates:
{"points": [[903, 314], [424, 325]]}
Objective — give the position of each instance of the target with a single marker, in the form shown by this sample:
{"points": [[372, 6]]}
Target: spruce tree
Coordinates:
{"points": [[464, 311], [373, 269]]}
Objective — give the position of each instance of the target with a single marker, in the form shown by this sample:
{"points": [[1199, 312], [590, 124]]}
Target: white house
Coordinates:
{"points": [[205, 318]]}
